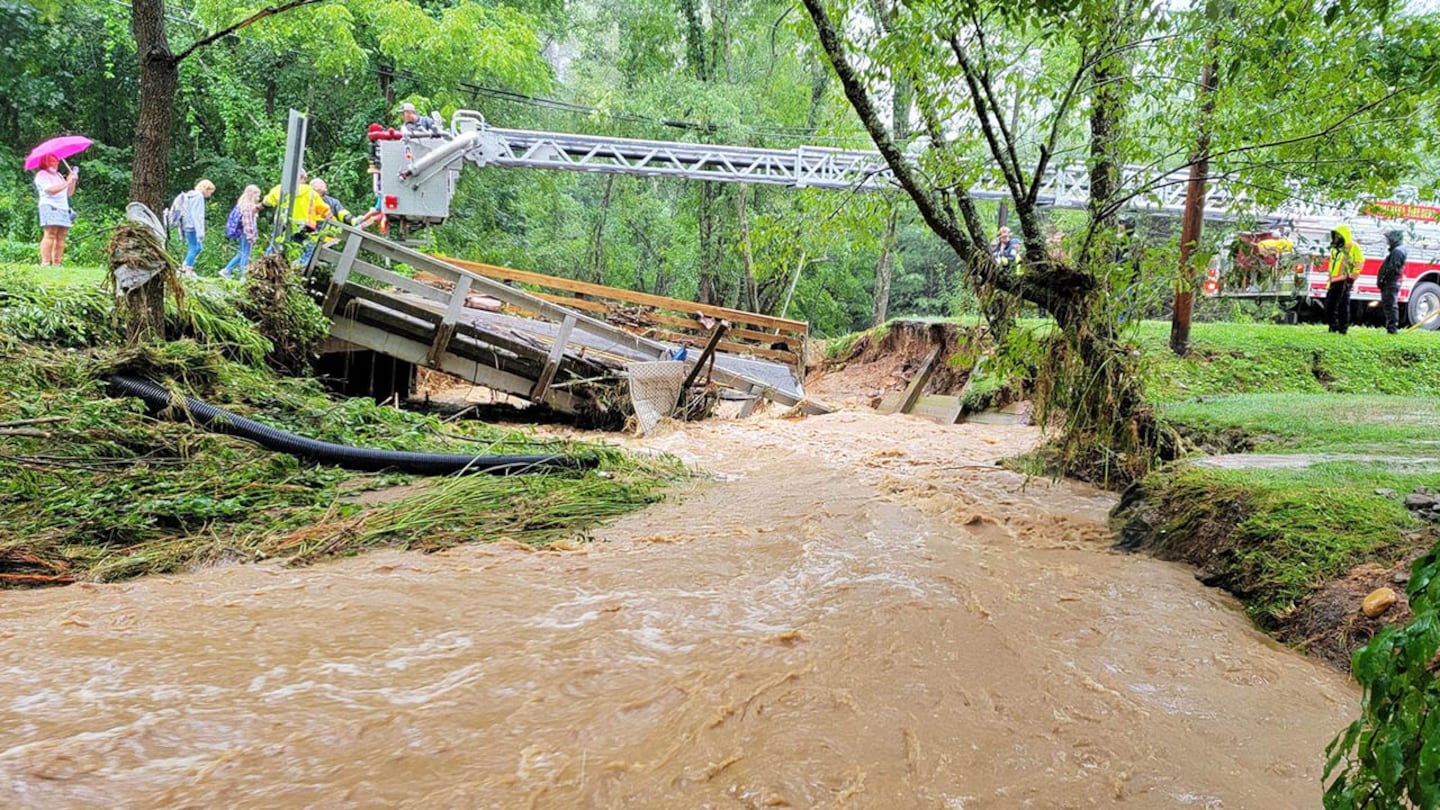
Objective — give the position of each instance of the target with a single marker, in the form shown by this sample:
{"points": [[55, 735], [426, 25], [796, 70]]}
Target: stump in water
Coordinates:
{"points": [[140, 270]]}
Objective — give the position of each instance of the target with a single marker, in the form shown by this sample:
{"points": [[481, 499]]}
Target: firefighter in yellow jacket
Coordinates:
{"points": [[1346, 261], [306, 212]]}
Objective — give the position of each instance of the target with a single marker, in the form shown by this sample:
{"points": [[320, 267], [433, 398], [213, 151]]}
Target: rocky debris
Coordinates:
{"points": [[1424, 503], [1379, 601]]}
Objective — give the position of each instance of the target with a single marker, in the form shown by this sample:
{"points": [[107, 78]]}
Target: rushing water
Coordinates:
{"points": [[859, 613]]}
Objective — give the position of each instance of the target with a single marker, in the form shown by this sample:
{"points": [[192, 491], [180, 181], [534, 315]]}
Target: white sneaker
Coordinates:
{"points": [[225, 274]]}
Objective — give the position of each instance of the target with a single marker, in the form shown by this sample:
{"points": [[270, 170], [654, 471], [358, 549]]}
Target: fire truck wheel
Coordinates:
{"points": [[1424, 301]]}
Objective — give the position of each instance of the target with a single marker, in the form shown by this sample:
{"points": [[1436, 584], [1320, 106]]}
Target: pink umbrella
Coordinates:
{"points": [[62, 147]]}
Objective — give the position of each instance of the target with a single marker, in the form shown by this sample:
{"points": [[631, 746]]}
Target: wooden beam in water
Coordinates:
{"points": [[918, 382], [557, 353]]}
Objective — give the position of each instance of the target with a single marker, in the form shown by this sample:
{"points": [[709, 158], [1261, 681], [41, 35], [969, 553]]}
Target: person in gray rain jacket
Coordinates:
{"points": [[1388, 279]]}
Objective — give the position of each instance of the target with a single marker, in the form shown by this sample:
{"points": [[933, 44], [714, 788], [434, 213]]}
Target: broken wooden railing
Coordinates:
{"points": [[378, 309], [671, 320]]}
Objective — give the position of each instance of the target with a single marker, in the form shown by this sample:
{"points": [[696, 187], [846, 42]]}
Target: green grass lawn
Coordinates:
{"points": [[1316, 423], [67, 276], [1231, 358], [1270, 534]]}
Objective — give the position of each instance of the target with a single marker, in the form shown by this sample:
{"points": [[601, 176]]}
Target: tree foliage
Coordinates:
{"points": [[615, 69]]}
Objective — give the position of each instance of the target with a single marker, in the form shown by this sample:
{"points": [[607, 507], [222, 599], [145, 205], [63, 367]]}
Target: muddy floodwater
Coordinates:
{"points": [[858, 612]]}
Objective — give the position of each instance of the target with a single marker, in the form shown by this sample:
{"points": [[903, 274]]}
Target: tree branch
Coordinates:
{"points": [[1062, 110], [245, 23], [940, 220], [1009, 167], [1165, 178], [988, 85]]}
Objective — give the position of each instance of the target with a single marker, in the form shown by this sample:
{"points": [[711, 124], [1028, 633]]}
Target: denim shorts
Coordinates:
{"points": [[51, 216]]}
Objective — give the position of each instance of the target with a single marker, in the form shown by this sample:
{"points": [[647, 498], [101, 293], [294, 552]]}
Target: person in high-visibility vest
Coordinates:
{"points": [[1345, 263], [306, 212]]}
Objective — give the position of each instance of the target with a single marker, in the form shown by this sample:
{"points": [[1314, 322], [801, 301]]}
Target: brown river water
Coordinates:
{"points": [[857, 612]]}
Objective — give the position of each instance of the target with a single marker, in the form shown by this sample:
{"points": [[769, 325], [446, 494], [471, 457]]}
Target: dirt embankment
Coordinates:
{"points": [[884, 360]]}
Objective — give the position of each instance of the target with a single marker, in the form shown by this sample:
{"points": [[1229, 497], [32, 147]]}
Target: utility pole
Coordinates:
{"points": [[1186, 277]]}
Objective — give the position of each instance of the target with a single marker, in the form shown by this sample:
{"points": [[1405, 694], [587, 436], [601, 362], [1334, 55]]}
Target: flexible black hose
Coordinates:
{"points": [[158, 398]]}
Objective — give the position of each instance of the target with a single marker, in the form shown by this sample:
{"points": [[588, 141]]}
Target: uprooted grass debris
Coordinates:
{"points": [[92, 488]]}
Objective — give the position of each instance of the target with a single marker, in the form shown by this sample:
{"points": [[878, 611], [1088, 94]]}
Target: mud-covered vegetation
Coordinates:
{"points": [[93, 488]]}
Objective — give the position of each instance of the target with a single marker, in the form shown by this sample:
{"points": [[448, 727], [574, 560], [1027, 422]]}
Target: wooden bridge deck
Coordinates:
{"points": [[545, 352]]}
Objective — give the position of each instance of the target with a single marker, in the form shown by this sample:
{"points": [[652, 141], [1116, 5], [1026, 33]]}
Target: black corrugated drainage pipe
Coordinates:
{"points": [[159, 399]]}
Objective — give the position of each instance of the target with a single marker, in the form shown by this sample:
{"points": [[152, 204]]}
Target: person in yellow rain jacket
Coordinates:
{"points": [[1346, 260], [306, 212]]}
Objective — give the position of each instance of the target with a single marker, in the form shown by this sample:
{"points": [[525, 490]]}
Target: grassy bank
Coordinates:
{"points": [[1229, 358], [1355, 421], [93, 488]]}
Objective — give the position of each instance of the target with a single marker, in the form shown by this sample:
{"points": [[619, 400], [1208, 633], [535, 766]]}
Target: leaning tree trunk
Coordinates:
{"points": [[1110, 434], [159, 82]]}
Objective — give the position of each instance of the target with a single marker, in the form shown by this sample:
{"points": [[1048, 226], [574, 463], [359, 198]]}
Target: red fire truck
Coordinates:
{"points": [[1290, 263]]}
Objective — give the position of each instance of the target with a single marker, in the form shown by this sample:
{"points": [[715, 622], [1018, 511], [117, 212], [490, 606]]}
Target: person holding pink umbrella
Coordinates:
{"points": [[56, 217], [54, 191]]}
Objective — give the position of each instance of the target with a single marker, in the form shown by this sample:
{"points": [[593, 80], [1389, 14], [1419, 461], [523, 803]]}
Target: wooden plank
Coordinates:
{"points": [[467, 349], [630, 296], [429, 320], [557, 353], [446, 329], [519, 299], [707, 354], [939, 408], [917, 383], [577, 303], [727, 346], [749, 407], [344, 263], [380, 340], [529, 303], [377, 273], [693, 326]]}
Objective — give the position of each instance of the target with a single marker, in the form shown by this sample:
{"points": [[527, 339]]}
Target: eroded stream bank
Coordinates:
{"points": [[862, 613]]}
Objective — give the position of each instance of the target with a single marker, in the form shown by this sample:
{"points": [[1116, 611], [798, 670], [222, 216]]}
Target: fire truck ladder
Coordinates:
{"points": [[803, 167]]}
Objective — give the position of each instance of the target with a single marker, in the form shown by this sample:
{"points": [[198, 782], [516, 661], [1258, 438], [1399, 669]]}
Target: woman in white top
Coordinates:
{"points": [[54, 191], [188, 211]]}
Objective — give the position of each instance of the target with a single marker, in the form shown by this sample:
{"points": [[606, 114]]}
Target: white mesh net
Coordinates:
{"points": [[655, 390]]}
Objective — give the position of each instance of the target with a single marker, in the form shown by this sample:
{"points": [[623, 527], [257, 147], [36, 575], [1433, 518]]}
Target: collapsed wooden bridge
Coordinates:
{"points": [[557, 345]]}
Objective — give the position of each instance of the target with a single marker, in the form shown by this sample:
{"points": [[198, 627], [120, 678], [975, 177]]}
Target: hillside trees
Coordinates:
{"points": [[329, 40], [1107, 92], [618, 67], [627, 68]]}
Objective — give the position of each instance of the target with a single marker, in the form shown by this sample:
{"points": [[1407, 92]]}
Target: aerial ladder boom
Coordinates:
{"points": [[416, 174]]}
